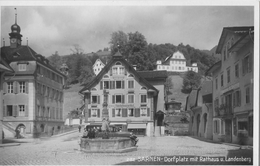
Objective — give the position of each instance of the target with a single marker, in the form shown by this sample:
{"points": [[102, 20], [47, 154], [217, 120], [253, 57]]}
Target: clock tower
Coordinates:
{"points": [[15, 36]]}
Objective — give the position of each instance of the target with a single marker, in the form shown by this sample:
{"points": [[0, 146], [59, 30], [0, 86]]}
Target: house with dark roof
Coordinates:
{"points": [[233, 86], [33, 93], [176, 63], [132, 98], [199, 105]]}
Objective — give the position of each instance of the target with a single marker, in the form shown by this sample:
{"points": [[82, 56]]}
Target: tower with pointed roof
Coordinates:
{"points": [[15, 35]]}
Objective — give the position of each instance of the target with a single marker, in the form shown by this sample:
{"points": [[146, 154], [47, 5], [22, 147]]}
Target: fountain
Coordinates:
{"points": [[108, 142]]}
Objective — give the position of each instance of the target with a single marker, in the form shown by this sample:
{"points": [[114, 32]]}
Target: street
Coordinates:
{"points": [[64, 150]]}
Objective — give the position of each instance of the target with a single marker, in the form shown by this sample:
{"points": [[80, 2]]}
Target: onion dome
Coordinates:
{"points": [[15, 28]]}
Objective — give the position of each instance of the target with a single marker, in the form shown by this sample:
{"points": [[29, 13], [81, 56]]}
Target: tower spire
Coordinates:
{"points": [[15, 15]]}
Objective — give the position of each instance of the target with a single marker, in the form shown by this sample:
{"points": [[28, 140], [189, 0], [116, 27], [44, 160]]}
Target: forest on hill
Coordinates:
{"points": [[135, 49]]}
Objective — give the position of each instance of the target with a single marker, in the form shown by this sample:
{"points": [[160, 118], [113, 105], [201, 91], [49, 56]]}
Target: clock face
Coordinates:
{"points": [[13, 40]]}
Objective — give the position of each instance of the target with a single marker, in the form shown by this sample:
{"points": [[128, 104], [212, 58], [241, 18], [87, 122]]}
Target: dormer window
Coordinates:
{"points": [[22, 67]]}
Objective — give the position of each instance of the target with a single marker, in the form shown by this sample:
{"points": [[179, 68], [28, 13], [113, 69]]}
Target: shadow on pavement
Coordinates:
{"points": [[183, 160], [8, 141], [205, 140]]}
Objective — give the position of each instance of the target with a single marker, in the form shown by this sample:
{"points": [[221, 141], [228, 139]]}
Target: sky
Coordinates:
{"points": [[60, 28]]}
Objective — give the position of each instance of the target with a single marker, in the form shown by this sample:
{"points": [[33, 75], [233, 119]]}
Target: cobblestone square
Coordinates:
{"points": [[64, 150]]}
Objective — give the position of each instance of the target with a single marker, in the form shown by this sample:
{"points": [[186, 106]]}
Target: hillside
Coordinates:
{"points": [[71, 99], [177, 81]]}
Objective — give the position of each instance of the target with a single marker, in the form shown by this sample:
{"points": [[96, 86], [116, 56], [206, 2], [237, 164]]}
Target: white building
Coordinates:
{"points": [[98, 66], [176, 63]]}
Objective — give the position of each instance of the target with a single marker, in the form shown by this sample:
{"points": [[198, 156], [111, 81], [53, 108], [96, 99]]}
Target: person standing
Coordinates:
{"points": [[79, 128]]}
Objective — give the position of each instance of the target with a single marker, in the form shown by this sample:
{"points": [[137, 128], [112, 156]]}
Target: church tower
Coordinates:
{"points": [[15, 36]]}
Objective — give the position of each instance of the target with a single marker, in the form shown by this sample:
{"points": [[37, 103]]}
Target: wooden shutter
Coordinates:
{"points": [[110, 84], [15, 84], [148, 111], [137, 112], [113, 112], [110, 72], [5, 87], [4, 110], [239, 98], [101, 84], [251, 63], [123, 98], [234, 99], [26, 110], [124, 112], [98, 98], [113, 99], [123, 84], [89, 112], [98, 113], [113, 84], [26, 87], [15, 113]]}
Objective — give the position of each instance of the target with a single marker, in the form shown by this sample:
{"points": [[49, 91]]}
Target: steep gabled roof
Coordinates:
{"points": [[25, 53], [5, 67], [226, 30], [117, 57]]}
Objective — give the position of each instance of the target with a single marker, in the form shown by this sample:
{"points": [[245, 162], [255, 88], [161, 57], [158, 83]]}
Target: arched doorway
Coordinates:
{"points": [[198, 124], [20, 131], [205, 121]]}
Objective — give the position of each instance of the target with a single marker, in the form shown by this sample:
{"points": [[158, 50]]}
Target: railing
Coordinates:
{"points": [[222, 111]]}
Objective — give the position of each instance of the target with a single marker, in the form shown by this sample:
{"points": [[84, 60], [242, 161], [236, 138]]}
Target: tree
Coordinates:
{"points": [[191, 80], [86, 76], [55, 60], [119, 39], [168, 85], [136, 43]]}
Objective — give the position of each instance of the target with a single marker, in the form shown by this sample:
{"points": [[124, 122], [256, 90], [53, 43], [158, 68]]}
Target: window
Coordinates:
{"points": [[222, 127], [216, 105], [222, 80], [131, 84], [106, 84], [228, 75], [22, 67], [21, 110], [131, 112], [216, 82], [121, 70], [242, 125], [143, 99], [9, 110], [236, 98], [246, 65], [118, 99], [130, 98], [247, 95], [119, 84], [94, 112], [95, 99], [237, 70], [118, 112], [225, 53], [10, 87], [216, 126], [143, 111]]}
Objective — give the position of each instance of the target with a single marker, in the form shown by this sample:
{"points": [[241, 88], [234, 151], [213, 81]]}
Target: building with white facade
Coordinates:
{"points": [[176, 63], [98, 66]]}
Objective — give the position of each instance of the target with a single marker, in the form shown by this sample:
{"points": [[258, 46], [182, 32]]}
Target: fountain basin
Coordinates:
{"points": [[111, 145]]}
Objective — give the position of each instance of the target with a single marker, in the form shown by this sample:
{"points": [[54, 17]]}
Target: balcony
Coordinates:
{"points": [[224, 112]]}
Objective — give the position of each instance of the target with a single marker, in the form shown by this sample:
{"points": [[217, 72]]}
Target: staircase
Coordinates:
{"points": [[9, 130]]}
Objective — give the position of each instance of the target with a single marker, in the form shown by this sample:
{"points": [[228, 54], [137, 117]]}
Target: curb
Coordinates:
{"points": [[58, 135], [10, 144]]}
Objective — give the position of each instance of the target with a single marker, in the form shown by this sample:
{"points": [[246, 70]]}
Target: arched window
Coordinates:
{"points": [[118, 63], [143, 88], [130, 75], [93, 89], [106, 76]]}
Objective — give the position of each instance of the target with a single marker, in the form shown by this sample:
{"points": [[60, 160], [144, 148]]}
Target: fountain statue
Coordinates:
{"points": [[105, 118]]}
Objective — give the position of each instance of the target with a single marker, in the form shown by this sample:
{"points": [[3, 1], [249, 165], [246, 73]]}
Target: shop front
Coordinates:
{"points": [[137, 128]]}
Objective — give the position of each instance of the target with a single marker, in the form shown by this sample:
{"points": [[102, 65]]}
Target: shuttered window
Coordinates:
{"points": [[137, 112], [124, 113]]}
